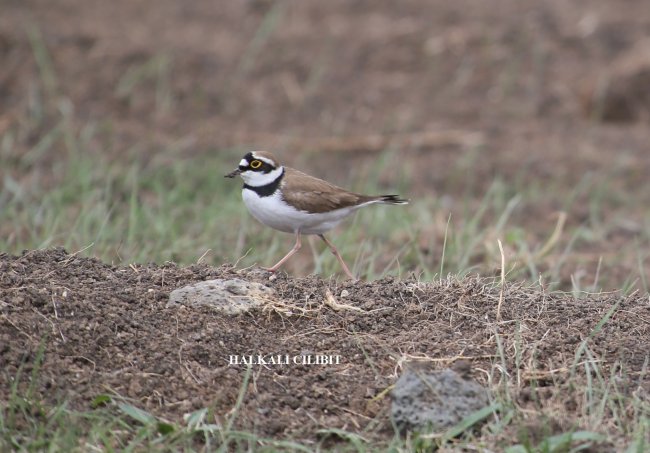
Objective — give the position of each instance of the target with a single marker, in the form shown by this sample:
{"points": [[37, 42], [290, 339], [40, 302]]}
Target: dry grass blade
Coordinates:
{"points": [[331, 302], [503, 280], [287, 309], [555, 237]]}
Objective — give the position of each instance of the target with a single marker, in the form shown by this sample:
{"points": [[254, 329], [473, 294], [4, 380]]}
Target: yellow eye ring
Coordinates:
{"points": [[256, 164]]}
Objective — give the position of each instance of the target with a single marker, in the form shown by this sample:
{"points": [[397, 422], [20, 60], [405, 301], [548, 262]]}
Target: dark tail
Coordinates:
{"points": [[392, 199]]}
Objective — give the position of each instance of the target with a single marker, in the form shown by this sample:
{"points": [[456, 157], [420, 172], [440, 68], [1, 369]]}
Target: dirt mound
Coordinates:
{"points": [[110, 329]]}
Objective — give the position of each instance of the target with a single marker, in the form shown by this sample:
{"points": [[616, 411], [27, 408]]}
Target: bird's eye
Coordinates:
{"points": [[256, 164]]}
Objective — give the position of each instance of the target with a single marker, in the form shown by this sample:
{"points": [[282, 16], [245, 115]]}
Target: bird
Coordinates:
{"points": [[294, 202]]}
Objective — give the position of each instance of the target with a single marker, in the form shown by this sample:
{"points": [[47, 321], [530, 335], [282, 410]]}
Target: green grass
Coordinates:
{"points": [[175, 208]]}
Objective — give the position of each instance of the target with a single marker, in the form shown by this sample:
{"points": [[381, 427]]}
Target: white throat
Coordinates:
{"points": [[257, 179]]}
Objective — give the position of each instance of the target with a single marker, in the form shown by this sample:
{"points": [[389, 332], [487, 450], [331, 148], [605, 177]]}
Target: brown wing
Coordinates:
{"points": [[315, 195]]}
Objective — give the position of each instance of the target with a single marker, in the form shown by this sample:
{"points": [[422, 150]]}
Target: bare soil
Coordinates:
{"points": [[110, 330]]}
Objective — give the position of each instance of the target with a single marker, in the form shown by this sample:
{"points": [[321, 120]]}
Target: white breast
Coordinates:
{"points": [[276, 213]]}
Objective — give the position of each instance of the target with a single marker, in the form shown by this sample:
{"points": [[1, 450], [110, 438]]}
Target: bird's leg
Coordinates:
{"points": [[338, 256], [288, 255]]}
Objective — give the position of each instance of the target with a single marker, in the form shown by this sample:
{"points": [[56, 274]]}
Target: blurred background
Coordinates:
{"points": [[513, 120]]}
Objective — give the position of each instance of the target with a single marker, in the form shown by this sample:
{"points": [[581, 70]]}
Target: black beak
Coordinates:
{"points": [[232, 174]]}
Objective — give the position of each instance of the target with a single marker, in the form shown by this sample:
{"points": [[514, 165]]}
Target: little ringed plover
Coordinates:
{"points": [[294, 202]]}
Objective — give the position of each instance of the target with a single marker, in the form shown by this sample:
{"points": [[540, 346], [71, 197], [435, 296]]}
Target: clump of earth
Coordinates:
{"points": [[103, 326]]}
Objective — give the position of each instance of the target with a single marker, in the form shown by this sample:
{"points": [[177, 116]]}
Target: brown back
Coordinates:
{"points": [[311, 194]]}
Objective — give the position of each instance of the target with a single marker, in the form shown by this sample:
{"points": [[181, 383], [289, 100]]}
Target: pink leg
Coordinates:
{"points": [[287, 256], [338, 256]]}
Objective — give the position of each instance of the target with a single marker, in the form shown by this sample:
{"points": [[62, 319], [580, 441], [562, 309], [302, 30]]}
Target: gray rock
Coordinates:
{"points": [[436, 400], [229, 296]]}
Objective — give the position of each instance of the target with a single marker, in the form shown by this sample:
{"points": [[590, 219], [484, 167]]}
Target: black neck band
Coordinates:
{"points": [[268, 189]]}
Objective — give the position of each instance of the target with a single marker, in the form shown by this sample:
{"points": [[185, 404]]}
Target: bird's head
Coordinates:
{"points": [[257, 168]]}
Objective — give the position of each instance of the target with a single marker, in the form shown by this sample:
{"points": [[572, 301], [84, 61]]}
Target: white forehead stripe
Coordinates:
{"points": [[243, 163], [264, 159]]}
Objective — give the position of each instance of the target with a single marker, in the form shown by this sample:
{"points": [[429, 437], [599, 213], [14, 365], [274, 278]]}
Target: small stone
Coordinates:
{"points": [[345, 293], [436, 400], [233, 296]]}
